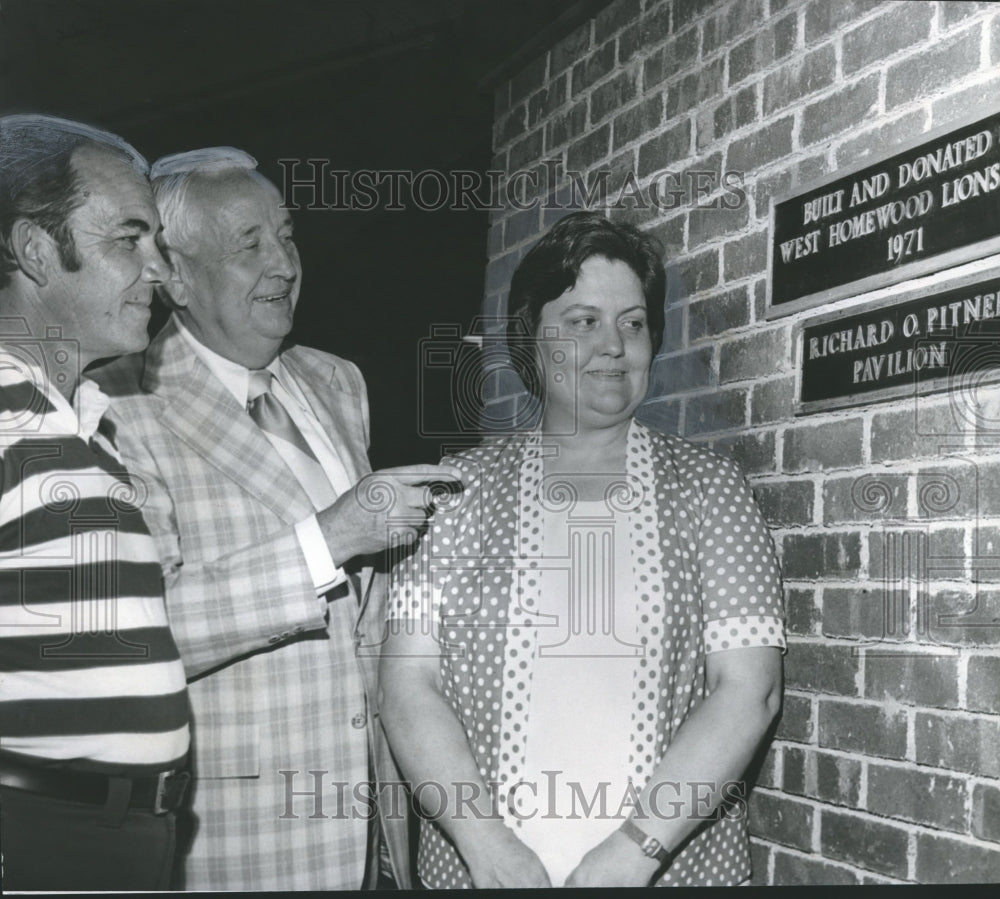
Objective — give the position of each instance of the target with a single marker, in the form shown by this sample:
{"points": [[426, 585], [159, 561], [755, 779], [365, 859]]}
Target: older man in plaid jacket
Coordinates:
{"points": [[251, 452]]}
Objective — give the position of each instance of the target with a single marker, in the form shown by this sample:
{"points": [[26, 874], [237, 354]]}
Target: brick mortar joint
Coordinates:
{"points": [[909, 827], [866, 761], [812, 855]]}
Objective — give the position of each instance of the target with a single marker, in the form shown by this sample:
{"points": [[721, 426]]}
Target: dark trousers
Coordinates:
{"points": [[51, 844]]}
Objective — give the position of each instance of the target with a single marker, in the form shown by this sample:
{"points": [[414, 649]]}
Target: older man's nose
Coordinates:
{"points": [[282, 262]]}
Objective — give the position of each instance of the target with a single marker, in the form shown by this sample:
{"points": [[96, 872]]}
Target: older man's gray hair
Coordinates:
{"points": [[173, 175]]}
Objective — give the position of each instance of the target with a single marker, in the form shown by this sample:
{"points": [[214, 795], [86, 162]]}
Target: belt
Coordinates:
{"points": [[159, 794]]}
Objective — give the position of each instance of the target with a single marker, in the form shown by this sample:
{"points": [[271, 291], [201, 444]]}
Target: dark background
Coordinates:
{"points": [[366, 84]]}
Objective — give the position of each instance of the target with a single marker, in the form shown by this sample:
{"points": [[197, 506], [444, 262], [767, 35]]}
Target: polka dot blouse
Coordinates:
{"points": [[706, 580]]}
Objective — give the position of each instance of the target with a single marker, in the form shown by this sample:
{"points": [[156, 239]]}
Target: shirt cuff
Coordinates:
{"points": [[322, 569]]}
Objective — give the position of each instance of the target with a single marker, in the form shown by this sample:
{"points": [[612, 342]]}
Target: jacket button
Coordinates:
{"points": [[359, 720]]}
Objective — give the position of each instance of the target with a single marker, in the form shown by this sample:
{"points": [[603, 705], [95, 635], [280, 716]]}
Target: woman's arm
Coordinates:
{"points": [[431, 748], [712, 748], [740, 591]]}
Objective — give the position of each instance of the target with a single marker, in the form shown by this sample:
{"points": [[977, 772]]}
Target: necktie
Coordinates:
{"points": [[272, 418]]}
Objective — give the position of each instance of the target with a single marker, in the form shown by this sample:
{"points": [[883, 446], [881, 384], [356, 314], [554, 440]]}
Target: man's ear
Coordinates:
{"points": [[173, 292], [35, 251]]}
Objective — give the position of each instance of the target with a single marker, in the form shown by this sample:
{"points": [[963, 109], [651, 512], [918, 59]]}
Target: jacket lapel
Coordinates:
{"points": [[337, 412], [205, 415], [333, 407]]}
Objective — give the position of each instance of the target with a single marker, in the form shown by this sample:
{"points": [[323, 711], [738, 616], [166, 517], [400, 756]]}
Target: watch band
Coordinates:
{"points": [[650, 846]]}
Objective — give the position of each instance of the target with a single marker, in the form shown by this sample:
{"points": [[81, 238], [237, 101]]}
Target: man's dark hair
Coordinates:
{"points": [[38, 181], [552, 265]]}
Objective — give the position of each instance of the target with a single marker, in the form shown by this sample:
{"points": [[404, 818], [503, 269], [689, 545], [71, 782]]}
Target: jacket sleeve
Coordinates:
{"points": [[238, 596]]}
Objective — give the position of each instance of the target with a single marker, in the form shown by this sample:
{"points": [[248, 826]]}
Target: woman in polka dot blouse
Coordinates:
{"points": [[585, 651]]}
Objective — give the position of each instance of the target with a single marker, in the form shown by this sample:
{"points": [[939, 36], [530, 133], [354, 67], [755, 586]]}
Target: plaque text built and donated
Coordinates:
{"points": [[929, 207]]}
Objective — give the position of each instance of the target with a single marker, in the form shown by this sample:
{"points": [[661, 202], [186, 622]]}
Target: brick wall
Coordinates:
{"points": [[886, 763]]}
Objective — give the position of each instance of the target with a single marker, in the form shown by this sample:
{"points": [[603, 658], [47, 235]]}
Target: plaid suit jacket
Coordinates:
{"points": [[283, 684]]}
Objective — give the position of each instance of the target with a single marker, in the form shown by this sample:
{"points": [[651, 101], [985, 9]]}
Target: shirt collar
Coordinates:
{"points": [[79, 416], [91, 403], [235, 377]]}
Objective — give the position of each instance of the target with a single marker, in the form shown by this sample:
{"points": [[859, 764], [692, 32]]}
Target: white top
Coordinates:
{"points": [[579, 733]]}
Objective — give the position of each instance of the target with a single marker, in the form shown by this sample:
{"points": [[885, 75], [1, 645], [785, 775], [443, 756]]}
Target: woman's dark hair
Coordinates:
{"points": [[552, 265]]}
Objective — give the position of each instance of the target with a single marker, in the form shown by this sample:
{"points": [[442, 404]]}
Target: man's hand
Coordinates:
{"points": [[614, 862], [391, 505]]}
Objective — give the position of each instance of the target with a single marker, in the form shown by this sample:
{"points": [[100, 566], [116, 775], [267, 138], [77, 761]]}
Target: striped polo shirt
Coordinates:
{"points": [[90, 677]]}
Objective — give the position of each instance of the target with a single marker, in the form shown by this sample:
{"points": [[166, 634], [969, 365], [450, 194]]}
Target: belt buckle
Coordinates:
{"points": [[170, 788]]}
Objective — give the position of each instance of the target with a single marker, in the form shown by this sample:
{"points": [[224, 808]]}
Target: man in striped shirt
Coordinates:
{"points": [[93, 704]]}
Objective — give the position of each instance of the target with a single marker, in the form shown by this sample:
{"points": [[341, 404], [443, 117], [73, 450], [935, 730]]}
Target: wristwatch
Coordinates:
{"points": [[650, 846]]}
